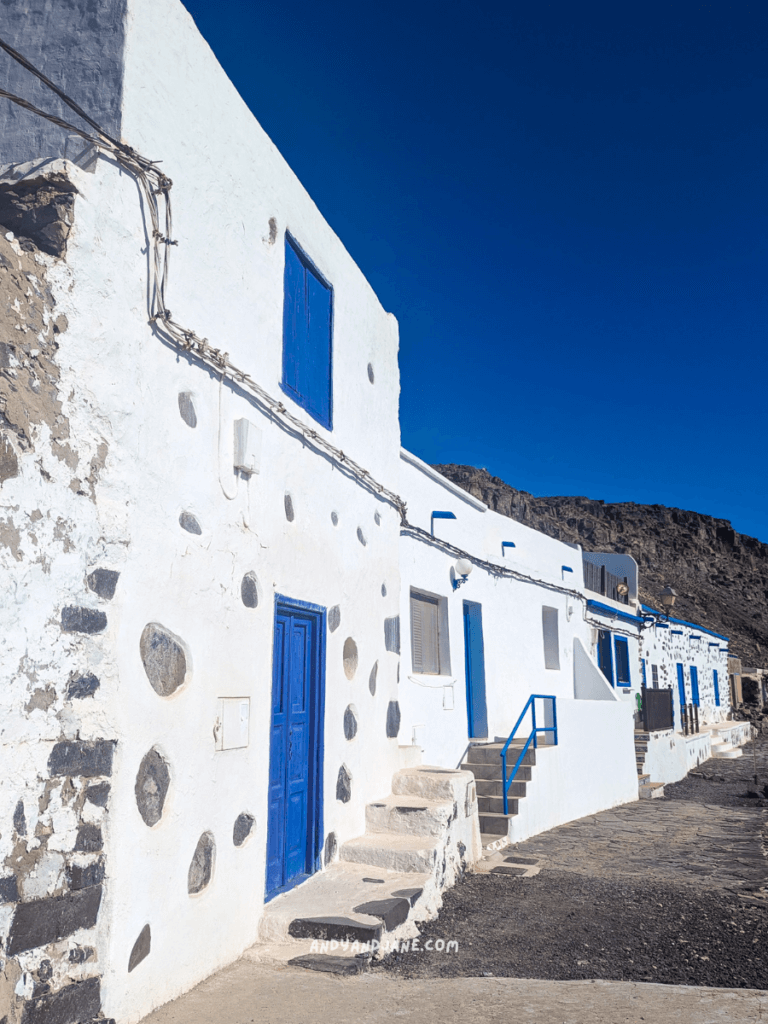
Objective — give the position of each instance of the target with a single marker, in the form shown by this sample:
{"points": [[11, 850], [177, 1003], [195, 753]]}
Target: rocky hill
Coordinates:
{"points": [[721, 576]]}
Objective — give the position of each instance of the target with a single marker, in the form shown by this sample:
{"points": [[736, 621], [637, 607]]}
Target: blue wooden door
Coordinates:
{"points": [[474, 668], [717, 687], [295, 748], [681, 684], [694, 685]]}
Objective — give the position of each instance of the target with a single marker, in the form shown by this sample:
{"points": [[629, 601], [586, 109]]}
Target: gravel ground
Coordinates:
{"points": [[564, 926], [619, 906]]}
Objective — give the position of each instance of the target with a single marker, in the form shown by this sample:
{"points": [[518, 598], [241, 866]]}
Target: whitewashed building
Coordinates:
{"points": [[235, 626]]}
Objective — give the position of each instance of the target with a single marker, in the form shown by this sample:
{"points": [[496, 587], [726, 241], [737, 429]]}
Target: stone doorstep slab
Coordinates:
{"points": [[409, 815], [336, 892], [385, 851]]}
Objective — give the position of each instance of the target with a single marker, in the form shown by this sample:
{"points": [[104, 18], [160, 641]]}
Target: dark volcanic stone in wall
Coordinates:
{"points": [[201, 868], [393, 719], [75, 619], [331, 848], [334, 618], [721, 576], [89, 839], [103, 582], [243, 826], [19, 819], [9, 889], [344, 785], [141, 948], [187, 408], [70, 1005], [83, 758], [350, 723], [42, 921], [82, 686], [152, 781], [40, 211], [163, 657], [372, 679], [98, 794], [84, 876]]}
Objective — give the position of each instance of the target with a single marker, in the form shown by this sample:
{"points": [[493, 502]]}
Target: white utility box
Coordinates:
{"points": [[232, 724], [247, 447]]}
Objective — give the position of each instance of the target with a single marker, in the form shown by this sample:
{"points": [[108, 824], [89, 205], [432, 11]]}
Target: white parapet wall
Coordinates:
{"points": [[591, 769]]}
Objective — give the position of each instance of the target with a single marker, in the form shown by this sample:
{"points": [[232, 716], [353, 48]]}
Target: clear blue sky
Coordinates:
{"points": [[565, 205]]}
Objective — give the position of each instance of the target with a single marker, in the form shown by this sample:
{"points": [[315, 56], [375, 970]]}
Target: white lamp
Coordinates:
{"points": [[462, 569]]}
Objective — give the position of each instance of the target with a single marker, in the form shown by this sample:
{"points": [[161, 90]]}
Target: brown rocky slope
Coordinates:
{"points": [[721, 576]]}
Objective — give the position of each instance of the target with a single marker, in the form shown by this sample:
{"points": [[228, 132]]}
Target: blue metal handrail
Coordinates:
{"points": [[531, 702]]}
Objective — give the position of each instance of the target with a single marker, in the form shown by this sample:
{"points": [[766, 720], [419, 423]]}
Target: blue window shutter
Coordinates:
{"points": [[681, 684], [307, 335], [294, 319], [717, 688], [645, 677], [318, 355]]}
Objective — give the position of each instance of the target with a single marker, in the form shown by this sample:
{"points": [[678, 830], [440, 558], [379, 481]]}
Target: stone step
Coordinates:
{"points": [[493, 771], [651, 790], [495, 787], [508, 869], [643, 778], [730, 753], [497, 824], [492, 843], [403, 853], [346, 899], [409, 815], [490, 753], [495, 804]]}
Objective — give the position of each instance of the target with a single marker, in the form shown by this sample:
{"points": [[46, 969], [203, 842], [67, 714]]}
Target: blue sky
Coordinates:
{"points": [[565, 206]]}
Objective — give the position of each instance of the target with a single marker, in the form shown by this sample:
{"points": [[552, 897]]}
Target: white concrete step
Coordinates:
{"points": [[728, 752], [393, 852], [651, 790], [345, 899], [409, 815]]}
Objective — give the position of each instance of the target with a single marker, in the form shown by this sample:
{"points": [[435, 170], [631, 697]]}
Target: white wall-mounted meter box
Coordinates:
{"points": [[247, 447], [231, 729]]}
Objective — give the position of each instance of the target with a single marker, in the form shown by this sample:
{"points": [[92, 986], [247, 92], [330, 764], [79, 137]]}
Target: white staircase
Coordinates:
{"points": [[721, 748]]}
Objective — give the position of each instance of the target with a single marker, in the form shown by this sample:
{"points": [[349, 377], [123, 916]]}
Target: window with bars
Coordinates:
{"points": [[551, 637], [655, 676], [425, 634]]}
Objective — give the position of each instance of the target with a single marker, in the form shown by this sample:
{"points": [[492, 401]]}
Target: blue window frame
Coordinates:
{"points": [[622, 661], [717, 688], [307, 335]]}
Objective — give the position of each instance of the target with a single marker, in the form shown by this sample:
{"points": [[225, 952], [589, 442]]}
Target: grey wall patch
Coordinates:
{"points": [[331, 848], [201, 868], [249, 590], [189, 523], [152, 781], [141, 948], [350, 722], [392, 634], [344, 785], [163, 658], [187, 408], [242, 829], [334, 618], [393, 719], [350, 658], [372, 678]]}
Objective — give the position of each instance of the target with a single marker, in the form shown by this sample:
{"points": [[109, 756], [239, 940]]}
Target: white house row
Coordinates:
{"points": [[234, 607]]}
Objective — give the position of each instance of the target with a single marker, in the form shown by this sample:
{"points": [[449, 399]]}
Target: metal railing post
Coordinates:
{"points": [[554, 717], [533, 724]]}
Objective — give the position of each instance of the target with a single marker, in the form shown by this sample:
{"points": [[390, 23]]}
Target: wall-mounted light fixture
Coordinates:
{"points": [[438, 515], [461, 569], [668, 597]]}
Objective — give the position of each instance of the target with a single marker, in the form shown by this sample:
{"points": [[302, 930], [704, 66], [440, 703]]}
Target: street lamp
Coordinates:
{"points": [[668, 597], [461, 569]]}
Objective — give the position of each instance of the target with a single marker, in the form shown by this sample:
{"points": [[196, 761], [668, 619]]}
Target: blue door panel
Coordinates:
{"points": [[717, 687], [681, 684], [318, 361], [605, 654], [295, 768], [474, 667]]}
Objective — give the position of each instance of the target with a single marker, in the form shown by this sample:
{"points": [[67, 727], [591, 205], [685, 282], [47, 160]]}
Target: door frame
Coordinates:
{"points": [[315, 760]]}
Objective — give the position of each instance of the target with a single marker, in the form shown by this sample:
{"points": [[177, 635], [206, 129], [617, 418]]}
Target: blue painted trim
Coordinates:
{"points": [[694, 637], [682, 622], [438, 515], [714, 645], [661, 625], [566, 568], [602, 609], [678, 632], [620, 642], [318, 736], [507, 544]]}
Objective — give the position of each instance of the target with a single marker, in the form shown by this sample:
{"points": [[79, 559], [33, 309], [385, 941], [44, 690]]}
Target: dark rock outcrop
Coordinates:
{"points": [[721, 576]]}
